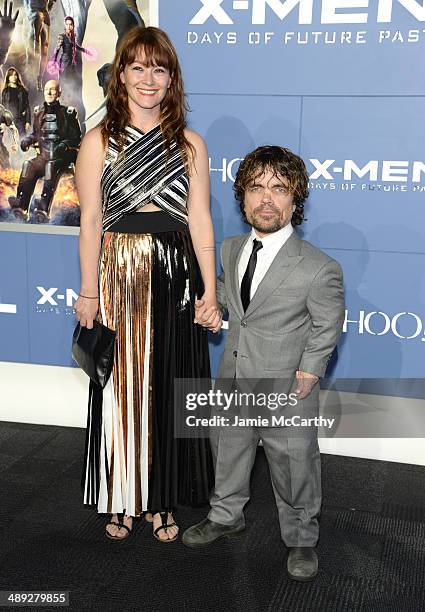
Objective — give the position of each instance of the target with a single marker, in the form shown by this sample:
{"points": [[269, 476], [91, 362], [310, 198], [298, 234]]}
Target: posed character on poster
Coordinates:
{"points": [[65, 55], [38, 15], [146, 252], [285, 301], [56, 134], [7, 27], [6, 122], [15, 98]]}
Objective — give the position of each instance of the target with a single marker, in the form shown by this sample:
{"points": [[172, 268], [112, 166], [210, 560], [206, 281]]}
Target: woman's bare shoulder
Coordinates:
{"points": [[93, 140], [198, 159], [195, 139]]}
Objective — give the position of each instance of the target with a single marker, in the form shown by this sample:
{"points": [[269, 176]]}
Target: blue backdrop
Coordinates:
{"points": [[340, 84], [39, 280]]}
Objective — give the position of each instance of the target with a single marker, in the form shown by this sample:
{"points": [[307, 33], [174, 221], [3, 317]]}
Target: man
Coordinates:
{"points": [[286, 311], [57, 134]]}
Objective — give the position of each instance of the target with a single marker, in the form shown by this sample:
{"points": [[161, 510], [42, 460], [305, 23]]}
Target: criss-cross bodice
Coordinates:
{"points": [[142, 172]]}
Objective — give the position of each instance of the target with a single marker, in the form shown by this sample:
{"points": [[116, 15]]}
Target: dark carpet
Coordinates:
{"points": [[371, 550]]}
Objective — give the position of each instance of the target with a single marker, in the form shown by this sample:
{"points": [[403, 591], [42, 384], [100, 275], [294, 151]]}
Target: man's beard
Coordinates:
{"points": [[268, 226]]}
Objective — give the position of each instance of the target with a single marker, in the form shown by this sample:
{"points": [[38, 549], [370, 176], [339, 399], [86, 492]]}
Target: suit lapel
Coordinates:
{"points": [[235, 254], [287, 258]]}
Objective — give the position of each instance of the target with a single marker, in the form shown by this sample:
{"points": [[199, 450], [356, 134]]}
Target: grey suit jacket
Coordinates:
{"points": [[294, 318]]}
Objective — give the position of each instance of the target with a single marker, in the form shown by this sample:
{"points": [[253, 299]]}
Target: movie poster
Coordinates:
{"points": [[54, 60]]}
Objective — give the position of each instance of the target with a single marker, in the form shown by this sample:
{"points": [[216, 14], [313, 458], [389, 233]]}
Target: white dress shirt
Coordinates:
{"points": [[272, 243]]}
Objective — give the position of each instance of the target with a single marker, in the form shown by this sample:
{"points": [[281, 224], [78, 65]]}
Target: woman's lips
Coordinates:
{"points": [[147, 92]]}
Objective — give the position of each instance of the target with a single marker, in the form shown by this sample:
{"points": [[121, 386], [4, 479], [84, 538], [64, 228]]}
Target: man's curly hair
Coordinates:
{"points": [[282, 162]]}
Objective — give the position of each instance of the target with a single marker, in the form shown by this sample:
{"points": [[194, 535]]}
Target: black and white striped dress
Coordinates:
{"points": [[148, 281]]}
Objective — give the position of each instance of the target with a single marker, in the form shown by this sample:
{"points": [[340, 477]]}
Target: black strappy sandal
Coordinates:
{"points": [[120, 526], [165, 525]]}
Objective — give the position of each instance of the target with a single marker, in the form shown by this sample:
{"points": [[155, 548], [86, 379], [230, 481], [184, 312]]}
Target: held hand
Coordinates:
{"points": [[202, 306], [305, 383], [208, 314], [86, 311]]}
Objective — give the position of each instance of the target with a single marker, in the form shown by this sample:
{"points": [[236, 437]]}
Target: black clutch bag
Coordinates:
{"points": [[93, 351]]}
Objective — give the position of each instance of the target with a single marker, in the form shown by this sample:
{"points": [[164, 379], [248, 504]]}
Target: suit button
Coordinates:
{"points": [[235, 353], [243, 323]]}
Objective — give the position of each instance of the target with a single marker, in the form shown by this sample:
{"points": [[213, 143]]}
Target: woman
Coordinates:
{"points": [[143, 184], [65, 56], [15, 98]]}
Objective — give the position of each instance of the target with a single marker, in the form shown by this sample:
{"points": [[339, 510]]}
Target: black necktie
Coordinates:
{"points": [[249, 273]]}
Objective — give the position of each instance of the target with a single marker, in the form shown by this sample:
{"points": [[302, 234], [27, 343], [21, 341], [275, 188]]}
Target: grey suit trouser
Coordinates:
{"points": [[294, 465]]}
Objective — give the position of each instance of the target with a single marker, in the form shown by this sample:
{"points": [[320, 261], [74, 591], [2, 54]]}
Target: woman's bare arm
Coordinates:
{"points": [[200, 222], [88, 171]]}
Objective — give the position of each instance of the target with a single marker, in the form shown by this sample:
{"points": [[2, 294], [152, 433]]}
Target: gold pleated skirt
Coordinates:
{"points": [[125, 282]]}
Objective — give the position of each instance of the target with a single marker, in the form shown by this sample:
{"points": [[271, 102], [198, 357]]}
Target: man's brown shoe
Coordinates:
{"points": [[206, 532]]}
